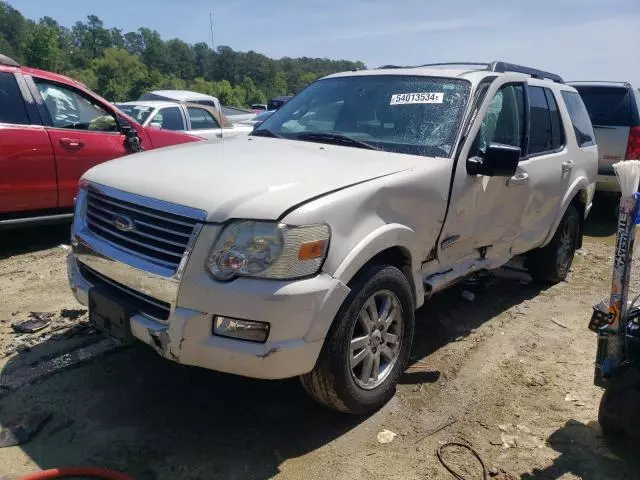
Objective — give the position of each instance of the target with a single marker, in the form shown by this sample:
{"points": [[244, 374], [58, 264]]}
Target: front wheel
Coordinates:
{"points": [[368, 345], [551, 264]]}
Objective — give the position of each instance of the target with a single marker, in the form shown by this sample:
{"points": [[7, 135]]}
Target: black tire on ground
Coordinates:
{"points": [[332, 382], [551, 263], [618, 412]]}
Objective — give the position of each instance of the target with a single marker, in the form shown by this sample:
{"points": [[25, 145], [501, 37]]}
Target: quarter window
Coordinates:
{"points": [[201, 119], [504, 121], [69, 108], [12, 109], [579, 118]]}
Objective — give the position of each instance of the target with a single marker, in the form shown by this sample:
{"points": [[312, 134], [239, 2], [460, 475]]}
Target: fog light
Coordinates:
{"points": [[241, 329]]}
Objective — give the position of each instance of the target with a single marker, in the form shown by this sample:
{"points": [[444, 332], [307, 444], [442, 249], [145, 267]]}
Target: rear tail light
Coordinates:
{"points": [[633, 147]]}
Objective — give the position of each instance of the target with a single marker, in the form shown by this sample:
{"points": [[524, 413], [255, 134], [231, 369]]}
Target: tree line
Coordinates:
{"points": [[121, 66]]}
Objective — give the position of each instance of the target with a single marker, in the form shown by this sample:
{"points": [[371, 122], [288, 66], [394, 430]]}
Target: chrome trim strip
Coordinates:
{"points": [[189, 212]]}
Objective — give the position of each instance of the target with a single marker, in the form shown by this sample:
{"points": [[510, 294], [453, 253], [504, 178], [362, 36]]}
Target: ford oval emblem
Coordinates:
{"points": [[124, 224]]}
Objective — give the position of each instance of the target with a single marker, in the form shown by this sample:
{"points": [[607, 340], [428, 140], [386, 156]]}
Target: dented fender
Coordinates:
{"points": [[380, 239]]}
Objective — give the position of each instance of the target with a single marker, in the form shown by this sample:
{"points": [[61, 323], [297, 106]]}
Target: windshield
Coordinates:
{"points": [[138, 112], [405, 114]]}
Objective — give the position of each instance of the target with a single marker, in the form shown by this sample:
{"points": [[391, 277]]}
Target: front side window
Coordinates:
{"points": [[69, 108], [169, 118], [201, 119], [504, 121], [579, 118], [415, 115], [12, 109]]}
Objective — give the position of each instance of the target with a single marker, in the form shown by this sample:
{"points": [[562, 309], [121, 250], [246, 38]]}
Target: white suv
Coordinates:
{"points": [[305, 248]]}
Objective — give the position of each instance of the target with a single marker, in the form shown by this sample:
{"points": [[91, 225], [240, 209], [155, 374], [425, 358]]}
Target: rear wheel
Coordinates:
{"points": [[551, 264], [368, 345]]}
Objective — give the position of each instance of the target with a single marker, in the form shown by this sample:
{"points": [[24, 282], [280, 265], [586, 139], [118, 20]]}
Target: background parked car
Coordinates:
{"points": [[614, 108], [259, 118], [193, 118], [52, 130], [182, 96], [276, 103], [237, 115], [258, 107]]}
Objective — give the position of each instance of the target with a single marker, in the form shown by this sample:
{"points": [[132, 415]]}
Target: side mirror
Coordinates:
{"points": [[157, 125], [499, 160]]}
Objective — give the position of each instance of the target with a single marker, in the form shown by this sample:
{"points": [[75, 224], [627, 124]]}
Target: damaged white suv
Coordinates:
{"points": [[305, 248]]}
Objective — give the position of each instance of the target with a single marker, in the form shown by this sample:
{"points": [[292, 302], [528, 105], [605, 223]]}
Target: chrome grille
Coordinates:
{"points": [[155, 235]]}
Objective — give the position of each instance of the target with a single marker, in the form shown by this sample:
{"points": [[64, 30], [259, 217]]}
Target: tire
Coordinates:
{"points": [[551, 264], [333, 382], [618, 412]]}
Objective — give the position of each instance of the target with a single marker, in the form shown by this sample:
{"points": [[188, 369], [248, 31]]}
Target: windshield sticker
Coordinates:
{"points": [[413, 98]]}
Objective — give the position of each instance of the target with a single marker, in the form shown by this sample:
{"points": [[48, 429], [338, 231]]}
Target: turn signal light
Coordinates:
{"points": [[311, 250]]}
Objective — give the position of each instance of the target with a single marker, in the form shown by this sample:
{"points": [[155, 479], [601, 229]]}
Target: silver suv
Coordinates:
{"points": [[614, 108], [305, 248]]}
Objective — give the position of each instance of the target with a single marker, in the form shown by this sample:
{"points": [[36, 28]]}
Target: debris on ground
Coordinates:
{"points": [[65, 247], [37, 321], [72, 313], [386, 436], [509, 441], [23, 430], [468, 296]]}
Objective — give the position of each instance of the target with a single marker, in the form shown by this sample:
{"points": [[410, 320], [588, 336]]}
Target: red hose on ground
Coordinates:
{"points": [[95, 472]]}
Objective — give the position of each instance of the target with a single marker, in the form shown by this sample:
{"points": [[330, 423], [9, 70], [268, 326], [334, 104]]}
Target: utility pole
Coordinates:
{"points": [[213, 49]]}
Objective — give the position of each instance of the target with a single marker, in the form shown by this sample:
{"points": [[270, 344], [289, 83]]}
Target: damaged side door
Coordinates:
{"points": [[485, 211]]}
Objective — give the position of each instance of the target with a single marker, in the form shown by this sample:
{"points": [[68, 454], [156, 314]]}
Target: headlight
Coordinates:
{"points": [[268, 250]]}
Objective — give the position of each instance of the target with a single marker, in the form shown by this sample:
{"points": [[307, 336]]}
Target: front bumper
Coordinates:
{"points": [[299, 313]]}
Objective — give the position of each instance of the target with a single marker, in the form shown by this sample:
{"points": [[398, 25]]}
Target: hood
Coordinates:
{"points": [[246, 177]]}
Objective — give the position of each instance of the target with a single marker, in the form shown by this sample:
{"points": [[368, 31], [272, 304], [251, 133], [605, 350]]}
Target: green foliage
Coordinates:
{"points": [[41, 47], [123, 65]]}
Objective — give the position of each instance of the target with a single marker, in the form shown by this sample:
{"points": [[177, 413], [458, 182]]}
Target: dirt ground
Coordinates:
{"points": [[509, 373]]}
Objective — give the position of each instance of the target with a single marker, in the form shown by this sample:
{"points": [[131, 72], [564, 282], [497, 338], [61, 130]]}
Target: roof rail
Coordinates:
{"points": [[626, 84], [9, 62], [500, 67]]}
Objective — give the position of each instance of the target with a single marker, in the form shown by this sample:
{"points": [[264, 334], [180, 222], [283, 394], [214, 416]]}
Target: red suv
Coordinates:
{"points": [[52, 130]]}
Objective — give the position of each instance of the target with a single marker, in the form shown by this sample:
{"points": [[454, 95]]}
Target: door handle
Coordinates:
{"points": [[518, 179], [71, 142], [567, 166]]}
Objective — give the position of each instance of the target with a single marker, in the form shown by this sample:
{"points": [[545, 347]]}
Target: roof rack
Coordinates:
{"points": [[9, 62], [626, 84], [500, 67]]}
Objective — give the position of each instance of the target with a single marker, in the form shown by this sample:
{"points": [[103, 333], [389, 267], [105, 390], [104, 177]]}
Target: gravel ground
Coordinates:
{"points": [[509, 373]]}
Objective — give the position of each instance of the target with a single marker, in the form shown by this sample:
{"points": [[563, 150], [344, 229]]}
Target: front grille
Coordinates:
{"points": [[155, 235], [149, 306]]}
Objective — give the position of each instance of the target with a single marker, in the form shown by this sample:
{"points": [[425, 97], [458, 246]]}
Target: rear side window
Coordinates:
{"points": [[579, 118], [557, 132], [12, 109], [540, 132], [608, 106]]}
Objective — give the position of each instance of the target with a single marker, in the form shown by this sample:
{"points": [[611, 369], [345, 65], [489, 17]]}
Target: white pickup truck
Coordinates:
{"points": [[305, 248], [192, 118]]}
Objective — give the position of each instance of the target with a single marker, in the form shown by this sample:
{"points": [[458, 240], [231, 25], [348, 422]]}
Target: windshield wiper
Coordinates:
{"points": [[263, 132], [334, 138]]}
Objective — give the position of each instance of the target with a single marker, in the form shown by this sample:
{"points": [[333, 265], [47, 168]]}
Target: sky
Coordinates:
{"points": [[577, 39]]}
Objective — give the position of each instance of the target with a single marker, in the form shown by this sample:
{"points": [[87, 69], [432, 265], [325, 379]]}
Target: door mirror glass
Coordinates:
{"points": [[156, 125], [498, 160]]}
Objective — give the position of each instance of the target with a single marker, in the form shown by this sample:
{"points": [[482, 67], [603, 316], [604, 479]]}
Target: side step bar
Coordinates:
{"points": [[35, 221]]}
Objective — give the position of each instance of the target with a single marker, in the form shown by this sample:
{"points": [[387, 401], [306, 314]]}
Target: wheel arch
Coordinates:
{"points": [[390, 244], [579, 196]]}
